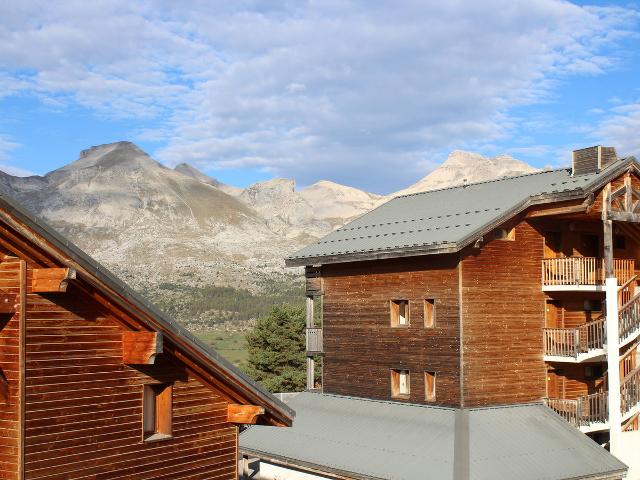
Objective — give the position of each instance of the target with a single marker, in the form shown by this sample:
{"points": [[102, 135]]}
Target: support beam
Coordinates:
{"points": [[8, 302], [613, 365], [311, 370], [564, 210], [51, 280], [140, 348], [608, 231], [243, 414], [624, 217]]}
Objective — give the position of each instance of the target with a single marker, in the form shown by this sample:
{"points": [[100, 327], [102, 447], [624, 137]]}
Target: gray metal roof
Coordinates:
{"points": [[447, 219], [371, 439], [170, 327]]}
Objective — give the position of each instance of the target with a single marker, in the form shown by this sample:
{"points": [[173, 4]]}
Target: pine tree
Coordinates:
{"points": [[277, 350]]}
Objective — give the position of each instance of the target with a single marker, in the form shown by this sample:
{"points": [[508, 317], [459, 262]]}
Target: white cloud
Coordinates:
{"points": [[620, 128], [365, 92], [6, 146]]}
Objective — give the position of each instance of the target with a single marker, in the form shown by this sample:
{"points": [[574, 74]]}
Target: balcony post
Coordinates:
{"points": [[613, 366], [310, 362]]}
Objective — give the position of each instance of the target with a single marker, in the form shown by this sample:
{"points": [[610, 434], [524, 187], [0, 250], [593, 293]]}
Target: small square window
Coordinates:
{"points": [[593, 371], [430, 386], [619, 242], [157, 411], [505, 234], [429, 313], [399, 313], [400, 383]]}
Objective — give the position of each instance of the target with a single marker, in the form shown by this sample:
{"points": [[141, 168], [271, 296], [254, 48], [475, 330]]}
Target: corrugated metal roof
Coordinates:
{"points": [[446, 217], [389, 440]]}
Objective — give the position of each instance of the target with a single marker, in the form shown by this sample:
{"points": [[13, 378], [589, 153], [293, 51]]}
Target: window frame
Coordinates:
{"points": [[429, 312], [394, 312], [510, 235], [396, 373], [430, 382], [157, 412]]}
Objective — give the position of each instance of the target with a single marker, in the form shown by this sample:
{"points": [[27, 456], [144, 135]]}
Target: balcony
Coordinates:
{"points": [[578, 344], [589, 413], [314, 341], [582, 273]]}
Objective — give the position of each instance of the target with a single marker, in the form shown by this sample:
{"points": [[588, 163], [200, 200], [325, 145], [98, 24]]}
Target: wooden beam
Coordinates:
{"points": [[244, 414], [568, 209], [628, 195], [140, 348], [607, 225], [624, 217], [8, 302], [51, 280]]}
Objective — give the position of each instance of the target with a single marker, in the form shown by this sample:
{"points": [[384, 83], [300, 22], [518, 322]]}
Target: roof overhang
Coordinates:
{"points": [[454, 247], [205, 362]]}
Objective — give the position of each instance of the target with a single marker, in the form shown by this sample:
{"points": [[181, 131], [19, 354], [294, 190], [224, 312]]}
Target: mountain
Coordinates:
{"points": [[204, 251], [190, 171], [471, 167]]}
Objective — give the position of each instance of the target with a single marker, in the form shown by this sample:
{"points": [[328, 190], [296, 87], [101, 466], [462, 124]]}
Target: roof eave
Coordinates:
{"points": [[63, 251], [454, 247]]}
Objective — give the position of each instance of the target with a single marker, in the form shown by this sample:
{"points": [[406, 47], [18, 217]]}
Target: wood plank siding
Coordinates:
{"points": [[71, 404], [503, 318], [361, 347], [77, 382], [10, 372]]}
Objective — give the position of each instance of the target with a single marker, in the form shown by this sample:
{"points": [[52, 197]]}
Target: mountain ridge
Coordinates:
{"points": [[165, 230]]}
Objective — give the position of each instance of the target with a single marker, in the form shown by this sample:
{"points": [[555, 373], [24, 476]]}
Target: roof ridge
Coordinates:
{"points": [[388, 402], [501, 179]]}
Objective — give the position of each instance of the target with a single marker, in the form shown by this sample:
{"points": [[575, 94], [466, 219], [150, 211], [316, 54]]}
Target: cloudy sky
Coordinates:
{"points": [[368, 93]]}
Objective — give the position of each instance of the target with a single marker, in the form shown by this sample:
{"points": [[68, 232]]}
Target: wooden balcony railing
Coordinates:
{"points": [[314, 340], [569, 342], [583, 271], [583, 411], [629, 361], [630, 391], [629, 318]]}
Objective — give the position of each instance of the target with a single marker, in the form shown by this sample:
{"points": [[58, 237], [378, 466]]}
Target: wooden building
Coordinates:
{"points": [[95, 383], [510, 291]]}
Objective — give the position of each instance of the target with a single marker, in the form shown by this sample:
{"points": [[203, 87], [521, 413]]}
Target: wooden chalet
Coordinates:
{"points": [[510, 291], [96, 383]]}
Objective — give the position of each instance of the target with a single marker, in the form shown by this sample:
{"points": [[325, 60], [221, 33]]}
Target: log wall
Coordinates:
{"points": [[503, 318], [10, 372], [360, 345], [84, 407]]}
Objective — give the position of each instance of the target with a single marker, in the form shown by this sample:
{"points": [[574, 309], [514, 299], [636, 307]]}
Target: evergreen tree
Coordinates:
{"points": [[277, 350]]}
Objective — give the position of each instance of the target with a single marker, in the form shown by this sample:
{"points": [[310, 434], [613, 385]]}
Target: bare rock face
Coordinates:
{"points": [[162, 228], [471, 167], [191, 171]]}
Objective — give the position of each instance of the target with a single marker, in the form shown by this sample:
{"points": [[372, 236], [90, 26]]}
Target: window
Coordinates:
{"points": [[592, 305], [593, 371], [619, 242], [399, 313], [400, 383], [429, 313], [156, 412], [430, 386], [505, 234]]}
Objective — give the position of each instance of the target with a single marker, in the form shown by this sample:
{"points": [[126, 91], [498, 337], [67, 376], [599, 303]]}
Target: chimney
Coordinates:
{"points": [[592, 159]]}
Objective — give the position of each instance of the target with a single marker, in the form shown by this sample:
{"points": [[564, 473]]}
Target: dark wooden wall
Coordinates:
{"points": [[10, 370], [361, 346], [503, 317], [84, 407]]}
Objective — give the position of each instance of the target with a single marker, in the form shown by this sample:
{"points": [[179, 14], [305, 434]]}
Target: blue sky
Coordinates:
{"points": [[372, 94]]}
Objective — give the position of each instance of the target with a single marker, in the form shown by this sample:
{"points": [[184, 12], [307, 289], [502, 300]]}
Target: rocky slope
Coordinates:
{"points": [[181, 236], [471, 167]]}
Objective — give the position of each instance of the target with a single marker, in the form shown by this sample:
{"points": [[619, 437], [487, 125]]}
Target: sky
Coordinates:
{"points": [[372, 94]]}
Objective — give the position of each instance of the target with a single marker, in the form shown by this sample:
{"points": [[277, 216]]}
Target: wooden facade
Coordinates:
{"points": [[75, 362], [536, 280]]}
